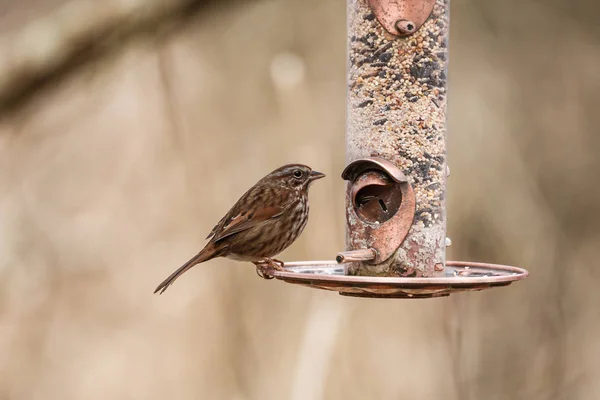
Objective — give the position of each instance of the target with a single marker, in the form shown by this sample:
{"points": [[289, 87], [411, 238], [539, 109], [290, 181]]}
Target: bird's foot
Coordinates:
{"points": [[268, 263], [277, 264], [261, 270]]}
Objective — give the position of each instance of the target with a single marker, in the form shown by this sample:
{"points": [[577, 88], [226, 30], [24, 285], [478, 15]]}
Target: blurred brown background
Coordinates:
{"points": [[120, 149]]}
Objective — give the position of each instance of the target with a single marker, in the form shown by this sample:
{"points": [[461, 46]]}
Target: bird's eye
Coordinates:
{"points": [[297, 174]]}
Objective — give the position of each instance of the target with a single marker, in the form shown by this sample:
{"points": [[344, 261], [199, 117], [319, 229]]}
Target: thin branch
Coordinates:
{"points": [[75, 33]]}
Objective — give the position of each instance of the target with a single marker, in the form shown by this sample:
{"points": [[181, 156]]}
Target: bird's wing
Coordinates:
{"points": [[214, 229], [241, 217]]}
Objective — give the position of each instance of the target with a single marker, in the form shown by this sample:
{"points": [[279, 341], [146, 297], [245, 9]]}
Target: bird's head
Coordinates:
{"points": [[295, 176]]}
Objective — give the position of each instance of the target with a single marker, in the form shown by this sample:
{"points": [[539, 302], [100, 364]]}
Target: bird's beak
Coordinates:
{"points": [[314, 175]]}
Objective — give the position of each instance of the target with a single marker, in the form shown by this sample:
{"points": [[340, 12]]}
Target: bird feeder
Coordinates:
{"points": [[396, 162]]}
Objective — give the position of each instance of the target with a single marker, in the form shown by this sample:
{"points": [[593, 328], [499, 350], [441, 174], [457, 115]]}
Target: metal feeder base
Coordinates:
{"points": [[458, 276]]}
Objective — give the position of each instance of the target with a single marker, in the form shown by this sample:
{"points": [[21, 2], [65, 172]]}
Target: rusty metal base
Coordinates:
{"points": [[458, 276]]}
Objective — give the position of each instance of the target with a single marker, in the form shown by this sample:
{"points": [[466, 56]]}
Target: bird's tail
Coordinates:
{"points": [[205, 254]]}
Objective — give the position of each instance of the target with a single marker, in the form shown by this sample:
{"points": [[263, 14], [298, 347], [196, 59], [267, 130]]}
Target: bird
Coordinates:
{"points": [[266, 220]]}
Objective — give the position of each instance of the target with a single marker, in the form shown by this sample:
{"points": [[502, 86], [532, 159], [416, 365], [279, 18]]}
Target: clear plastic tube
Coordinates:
{"points": [[396, 109]]}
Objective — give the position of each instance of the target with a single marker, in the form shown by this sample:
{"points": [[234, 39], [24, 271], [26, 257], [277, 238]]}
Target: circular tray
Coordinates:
{"points": [[458, 276]]}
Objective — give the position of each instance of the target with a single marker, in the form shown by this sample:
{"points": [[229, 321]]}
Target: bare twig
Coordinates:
{"points": [[78, 31]]}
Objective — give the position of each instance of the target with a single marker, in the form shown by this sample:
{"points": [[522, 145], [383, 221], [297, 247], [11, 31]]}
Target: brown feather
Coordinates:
{"points": [[244, 222], [210, 251]]}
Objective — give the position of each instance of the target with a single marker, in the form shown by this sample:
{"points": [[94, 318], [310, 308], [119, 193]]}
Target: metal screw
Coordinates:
{"points": [[405, 26]]}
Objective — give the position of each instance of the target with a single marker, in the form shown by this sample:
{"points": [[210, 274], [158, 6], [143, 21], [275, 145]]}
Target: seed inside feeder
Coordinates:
{"points": [[397, 111]]}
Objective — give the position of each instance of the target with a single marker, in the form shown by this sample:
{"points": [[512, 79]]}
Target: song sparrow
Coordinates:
{"points": [[266, 220]]}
